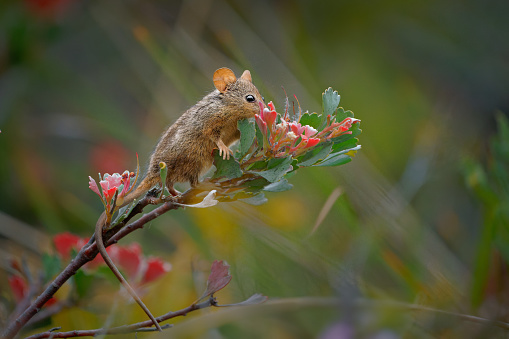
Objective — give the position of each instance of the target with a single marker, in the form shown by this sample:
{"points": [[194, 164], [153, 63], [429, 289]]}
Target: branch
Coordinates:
{"points": [[89, 252], [132, 328]]}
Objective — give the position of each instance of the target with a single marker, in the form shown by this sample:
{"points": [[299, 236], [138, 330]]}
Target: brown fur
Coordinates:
{"points": [[186, 147]]}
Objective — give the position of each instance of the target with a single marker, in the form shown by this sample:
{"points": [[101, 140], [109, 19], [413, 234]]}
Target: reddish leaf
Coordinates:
{"points": [[219, 277]]}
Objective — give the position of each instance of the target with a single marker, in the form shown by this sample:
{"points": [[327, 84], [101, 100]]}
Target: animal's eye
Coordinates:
{"points": [[250, 98]]}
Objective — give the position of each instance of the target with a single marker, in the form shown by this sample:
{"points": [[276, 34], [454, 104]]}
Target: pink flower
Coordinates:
{"points": [[296, 128], [309, 131], [266, 118], [93, 186], [110, 185], [300, 130], [262, 125], [291, 137]]}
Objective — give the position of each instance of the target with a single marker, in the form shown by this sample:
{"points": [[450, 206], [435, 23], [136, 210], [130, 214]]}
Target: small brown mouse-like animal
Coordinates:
{"points": [[186, 147]]}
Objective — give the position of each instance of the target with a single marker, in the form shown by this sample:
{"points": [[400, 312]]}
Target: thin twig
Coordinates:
{"points": [[88, 253], [132, 328]]}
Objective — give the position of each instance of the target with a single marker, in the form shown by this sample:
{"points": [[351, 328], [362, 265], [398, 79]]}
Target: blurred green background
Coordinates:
{"points": [[422, 218]]}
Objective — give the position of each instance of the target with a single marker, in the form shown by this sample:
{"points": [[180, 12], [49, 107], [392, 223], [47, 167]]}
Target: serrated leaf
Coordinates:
{"points": [[51, 266], [276, 173], [247, 135], [279, 186], [255, 299], [256, 200], [330, 102], [314, 120], [315, 155], [341, 114], [228, 168], [335, 160]]}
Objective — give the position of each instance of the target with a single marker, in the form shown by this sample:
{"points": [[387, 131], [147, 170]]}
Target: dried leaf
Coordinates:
{"points": [[208, 201]]}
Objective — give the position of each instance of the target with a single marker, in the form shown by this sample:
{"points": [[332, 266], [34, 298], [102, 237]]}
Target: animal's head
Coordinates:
{"points": [[239, 94]]}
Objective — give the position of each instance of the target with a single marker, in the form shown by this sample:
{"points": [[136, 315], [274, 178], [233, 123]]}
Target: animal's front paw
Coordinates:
{"points": [[224, 150]]}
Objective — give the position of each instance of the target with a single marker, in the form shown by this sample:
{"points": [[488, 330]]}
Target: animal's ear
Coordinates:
{"points": [[223, 77], [246, 76]]}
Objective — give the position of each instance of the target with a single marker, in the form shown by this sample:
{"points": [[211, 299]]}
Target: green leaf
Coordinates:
{"points": [[255, 184], [226, 168], [315, 155], [335, 160], [163, 172], [276, 173], [341, 114], [259, 136], [247, 135], [351, 143], [256, 200], [83, 282], [330, 102], [259, 165], [275, 162], [313, 120], [51, 266], [279, 186]]}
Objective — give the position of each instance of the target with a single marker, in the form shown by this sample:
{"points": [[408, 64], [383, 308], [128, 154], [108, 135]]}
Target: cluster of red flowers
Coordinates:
{"points": [[290, 137], [139, 269]]}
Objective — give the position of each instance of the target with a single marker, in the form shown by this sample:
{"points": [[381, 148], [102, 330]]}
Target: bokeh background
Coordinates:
{"points": [[422, 215]]}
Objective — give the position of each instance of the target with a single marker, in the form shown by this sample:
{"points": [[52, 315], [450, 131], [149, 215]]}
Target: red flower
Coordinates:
{"points": [[129, 258], [66, 242], [19, 287], [312, 142], [155, 268]]}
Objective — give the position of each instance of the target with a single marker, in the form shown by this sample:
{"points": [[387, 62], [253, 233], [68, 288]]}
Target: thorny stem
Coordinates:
{"points": [[88, 253]]}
